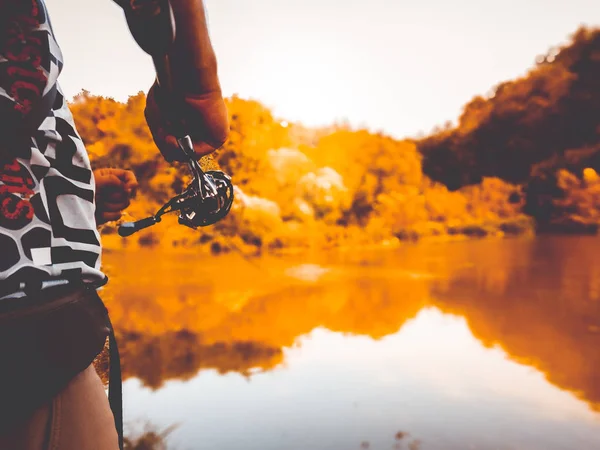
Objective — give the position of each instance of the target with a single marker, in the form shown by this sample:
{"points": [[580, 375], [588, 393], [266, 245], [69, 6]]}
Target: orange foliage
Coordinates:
{"points": [[552, 109]]}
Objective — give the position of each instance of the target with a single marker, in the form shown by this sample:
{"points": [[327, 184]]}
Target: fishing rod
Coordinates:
{"points": [[209, 196]]}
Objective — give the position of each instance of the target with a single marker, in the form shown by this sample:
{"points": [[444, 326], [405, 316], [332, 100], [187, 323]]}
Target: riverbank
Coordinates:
{"points": [[169, 236]]}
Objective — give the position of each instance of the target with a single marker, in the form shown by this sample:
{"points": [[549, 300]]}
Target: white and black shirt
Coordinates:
{"points": [[47, 191]]}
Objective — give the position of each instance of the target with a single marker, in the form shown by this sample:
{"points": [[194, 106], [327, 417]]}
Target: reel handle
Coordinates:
{"points": [[128, 228]]}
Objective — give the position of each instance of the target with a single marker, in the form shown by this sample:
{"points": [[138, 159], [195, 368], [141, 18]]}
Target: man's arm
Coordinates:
{"points": [[193, 59], [197, 91]]}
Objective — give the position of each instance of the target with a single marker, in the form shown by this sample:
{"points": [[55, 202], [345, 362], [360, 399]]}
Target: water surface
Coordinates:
{"points": [[472, 345]]}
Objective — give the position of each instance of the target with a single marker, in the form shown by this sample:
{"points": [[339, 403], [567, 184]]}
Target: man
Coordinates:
{"points": [[52, 321]]}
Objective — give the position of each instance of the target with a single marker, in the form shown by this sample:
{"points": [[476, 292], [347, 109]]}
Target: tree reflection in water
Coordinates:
{"points": [[538, 299]]}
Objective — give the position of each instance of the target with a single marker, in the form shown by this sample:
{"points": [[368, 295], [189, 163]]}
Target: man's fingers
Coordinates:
{"points": [[116, 184], [129, 180], [166, 145], [171, 150], [108, 181], [127, 177]]}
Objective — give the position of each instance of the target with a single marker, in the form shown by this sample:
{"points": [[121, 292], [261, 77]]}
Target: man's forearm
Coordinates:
{"points": [[193, 60]]}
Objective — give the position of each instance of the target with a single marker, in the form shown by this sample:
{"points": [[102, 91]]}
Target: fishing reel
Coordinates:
{"points": [[206, 200]]}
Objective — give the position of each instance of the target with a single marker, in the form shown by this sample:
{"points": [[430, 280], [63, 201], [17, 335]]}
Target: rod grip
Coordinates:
{"points": [[128, 228]]}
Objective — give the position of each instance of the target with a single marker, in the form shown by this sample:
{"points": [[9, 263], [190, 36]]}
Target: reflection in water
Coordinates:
{"points": [[181, 354], [165, 333], [538, 300], [381, 327]]}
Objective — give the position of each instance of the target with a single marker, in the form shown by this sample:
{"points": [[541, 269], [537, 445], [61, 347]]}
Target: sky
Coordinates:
{"points": [[397, 66]]}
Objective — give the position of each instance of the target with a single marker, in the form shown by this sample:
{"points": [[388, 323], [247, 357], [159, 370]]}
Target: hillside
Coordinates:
{"points": [[541, 131]]}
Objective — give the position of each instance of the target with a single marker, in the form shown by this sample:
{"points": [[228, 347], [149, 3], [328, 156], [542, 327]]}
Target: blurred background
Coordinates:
{"points": [[411, 259]]}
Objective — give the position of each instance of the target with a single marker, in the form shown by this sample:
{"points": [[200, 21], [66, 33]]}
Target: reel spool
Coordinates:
{"points": [[206, 200]]}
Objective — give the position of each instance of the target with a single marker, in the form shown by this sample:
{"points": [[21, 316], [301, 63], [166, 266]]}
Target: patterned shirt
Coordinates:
{"points": [[47, 189]]}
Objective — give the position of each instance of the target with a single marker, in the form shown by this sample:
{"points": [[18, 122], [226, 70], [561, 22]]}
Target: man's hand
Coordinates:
{"points": [[204, 117], [114, 188]]}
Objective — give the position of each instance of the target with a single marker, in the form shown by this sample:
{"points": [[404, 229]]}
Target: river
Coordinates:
{"points": [[491, 344]]}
